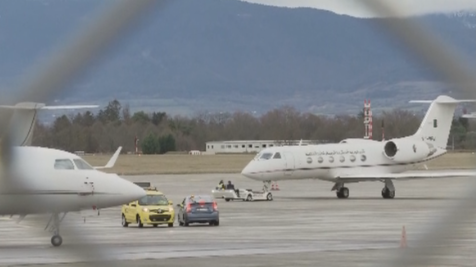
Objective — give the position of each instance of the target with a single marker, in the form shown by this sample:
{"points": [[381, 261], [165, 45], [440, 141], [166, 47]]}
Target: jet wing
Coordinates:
{"points": [[409, 175]]}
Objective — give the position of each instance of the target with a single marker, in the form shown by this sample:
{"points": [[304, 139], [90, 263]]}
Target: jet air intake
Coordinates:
{"points": [[405, 150]]}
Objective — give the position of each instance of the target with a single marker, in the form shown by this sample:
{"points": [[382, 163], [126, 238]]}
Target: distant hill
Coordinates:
{"points": [[227, 55]]}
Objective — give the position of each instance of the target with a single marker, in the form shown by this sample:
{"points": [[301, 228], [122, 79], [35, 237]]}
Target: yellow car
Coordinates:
{"points": [[153, 209]]}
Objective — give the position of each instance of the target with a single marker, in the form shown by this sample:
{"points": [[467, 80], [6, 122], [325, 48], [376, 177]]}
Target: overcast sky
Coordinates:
{"points": [[352, 8]]}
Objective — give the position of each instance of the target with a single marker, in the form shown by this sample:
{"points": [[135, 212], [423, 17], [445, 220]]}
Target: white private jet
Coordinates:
{"points": [[37, 180], [359, 160]]}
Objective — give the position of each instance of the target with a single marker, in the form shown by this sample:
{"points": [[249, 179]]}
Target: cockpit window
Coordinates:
{"points": [[277, 155], [82, 165], [64, 164], [266, 156]]}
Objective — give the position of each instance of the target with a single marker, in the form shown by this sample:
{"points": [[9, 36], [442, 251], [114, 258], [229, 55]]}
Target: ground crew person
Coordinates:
{"points": [[221, 185], [230, 186]]}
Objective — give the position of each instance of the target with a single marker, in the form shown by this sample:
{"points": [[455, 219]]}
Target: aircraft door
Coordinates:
{"points": [[290, 163]]}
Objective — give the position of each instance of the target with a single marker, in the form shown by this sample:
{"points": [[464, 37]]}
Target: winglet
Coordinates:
{"points": [[111, 161]]}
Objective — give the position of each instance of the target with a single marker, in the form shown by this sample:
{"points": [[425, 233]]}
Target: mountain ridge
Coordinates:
{"points": [[227, 55]]}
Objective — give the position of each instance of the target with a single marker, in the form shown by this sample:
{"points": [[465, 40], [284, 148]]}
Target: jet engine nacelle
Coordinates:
{"points": [[407, 150]]}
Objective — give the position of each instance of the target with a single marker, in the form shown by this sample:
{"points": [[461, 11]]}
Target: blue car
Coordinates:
{"points": [[198, 209]]}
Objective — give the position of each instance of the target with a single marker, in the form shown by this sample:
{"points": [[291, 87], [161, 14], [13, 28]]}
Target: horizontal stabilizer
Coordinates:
{"points": [[111, 161], [70, 107], [22, 122], [38, 106], [443, 99], [470, 116]]}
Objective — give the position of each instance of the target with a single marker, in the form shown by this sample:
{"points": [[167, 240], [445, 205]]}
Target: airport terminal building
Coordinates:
{"points": [[249, 146]]}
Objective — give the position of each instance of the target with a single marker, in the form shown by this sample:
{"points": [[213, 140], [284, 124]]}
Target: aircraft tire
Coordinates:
{"points": [[343, 192], [386, 193], [56, 240]]}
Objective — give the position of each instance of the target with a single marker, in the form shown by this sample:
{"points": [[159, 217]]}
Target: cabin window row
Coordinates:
{"points": [[331, 159]]}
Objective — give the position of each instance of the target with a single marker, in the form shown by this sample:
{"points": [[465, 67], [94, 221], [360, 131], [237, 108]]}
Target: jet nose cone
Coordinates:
{"points": [[245, 172], [124, 191], [249, 172], [135, 191]]}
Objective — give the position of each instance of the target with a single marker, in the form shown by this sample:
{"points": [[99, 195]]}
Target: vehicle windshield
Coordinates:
{"points": [[153, 200]]}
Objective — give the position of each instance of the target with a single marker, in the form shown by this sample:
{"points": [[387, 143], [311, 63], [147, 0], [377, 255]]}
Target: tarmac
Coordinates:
{"points": [[305, 225]]}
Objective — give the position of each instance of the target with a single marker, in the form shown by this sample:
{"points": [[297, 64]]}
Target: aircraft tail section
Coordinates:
{"points": [[23, 120], [436, 125]]}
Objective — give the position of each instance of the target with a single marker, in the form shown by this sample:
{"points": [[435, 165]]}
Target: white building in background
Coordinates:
{"points": [[249, 146]]}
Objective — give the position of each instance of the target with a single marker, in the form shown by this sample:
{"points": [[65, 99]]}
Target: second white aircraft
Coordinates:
{"points": [[359, 160]]}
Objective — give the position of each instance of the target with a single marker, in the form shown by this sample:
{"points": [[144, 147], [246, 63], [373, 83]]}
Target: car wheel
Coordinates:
{"points": [[217, 223], [171, 224], [249, 198], [139, 222], [124, 222], [185, 223], [227, 199], [269, 197], [155, 225]]}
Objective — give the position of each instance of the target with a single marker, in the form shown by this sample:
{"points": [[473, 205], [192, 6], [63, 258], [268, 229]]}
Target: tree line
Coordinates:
{"points": [[159, 133]]}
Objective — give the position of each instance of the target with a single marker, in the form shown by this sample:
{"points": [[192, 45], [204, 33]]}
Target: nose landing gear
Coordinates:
{"points": [[389, 190], [54, 226]]}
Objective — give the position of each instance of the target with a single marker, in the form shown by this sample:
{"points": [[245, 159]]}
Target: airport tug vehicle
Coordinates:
{"points": [[153, 209], [243, 194]]}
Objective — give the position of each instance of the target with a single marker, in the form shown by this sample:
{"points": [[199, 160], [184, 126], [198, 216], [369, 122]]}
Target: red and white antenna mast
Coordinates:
{"points": [[367, 120]]}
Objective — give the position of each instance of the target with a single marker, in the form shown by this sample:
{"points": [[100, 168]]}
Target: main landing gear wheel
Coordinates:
{"points": [[387, 193], [56, 240], [343, 192]]}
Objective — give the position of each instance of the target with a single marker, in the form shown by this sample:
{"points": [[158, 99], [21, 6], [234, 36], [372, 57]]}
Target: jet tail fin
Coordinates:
{"points": [[23, 120], [435, 126], [112, 160]]}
